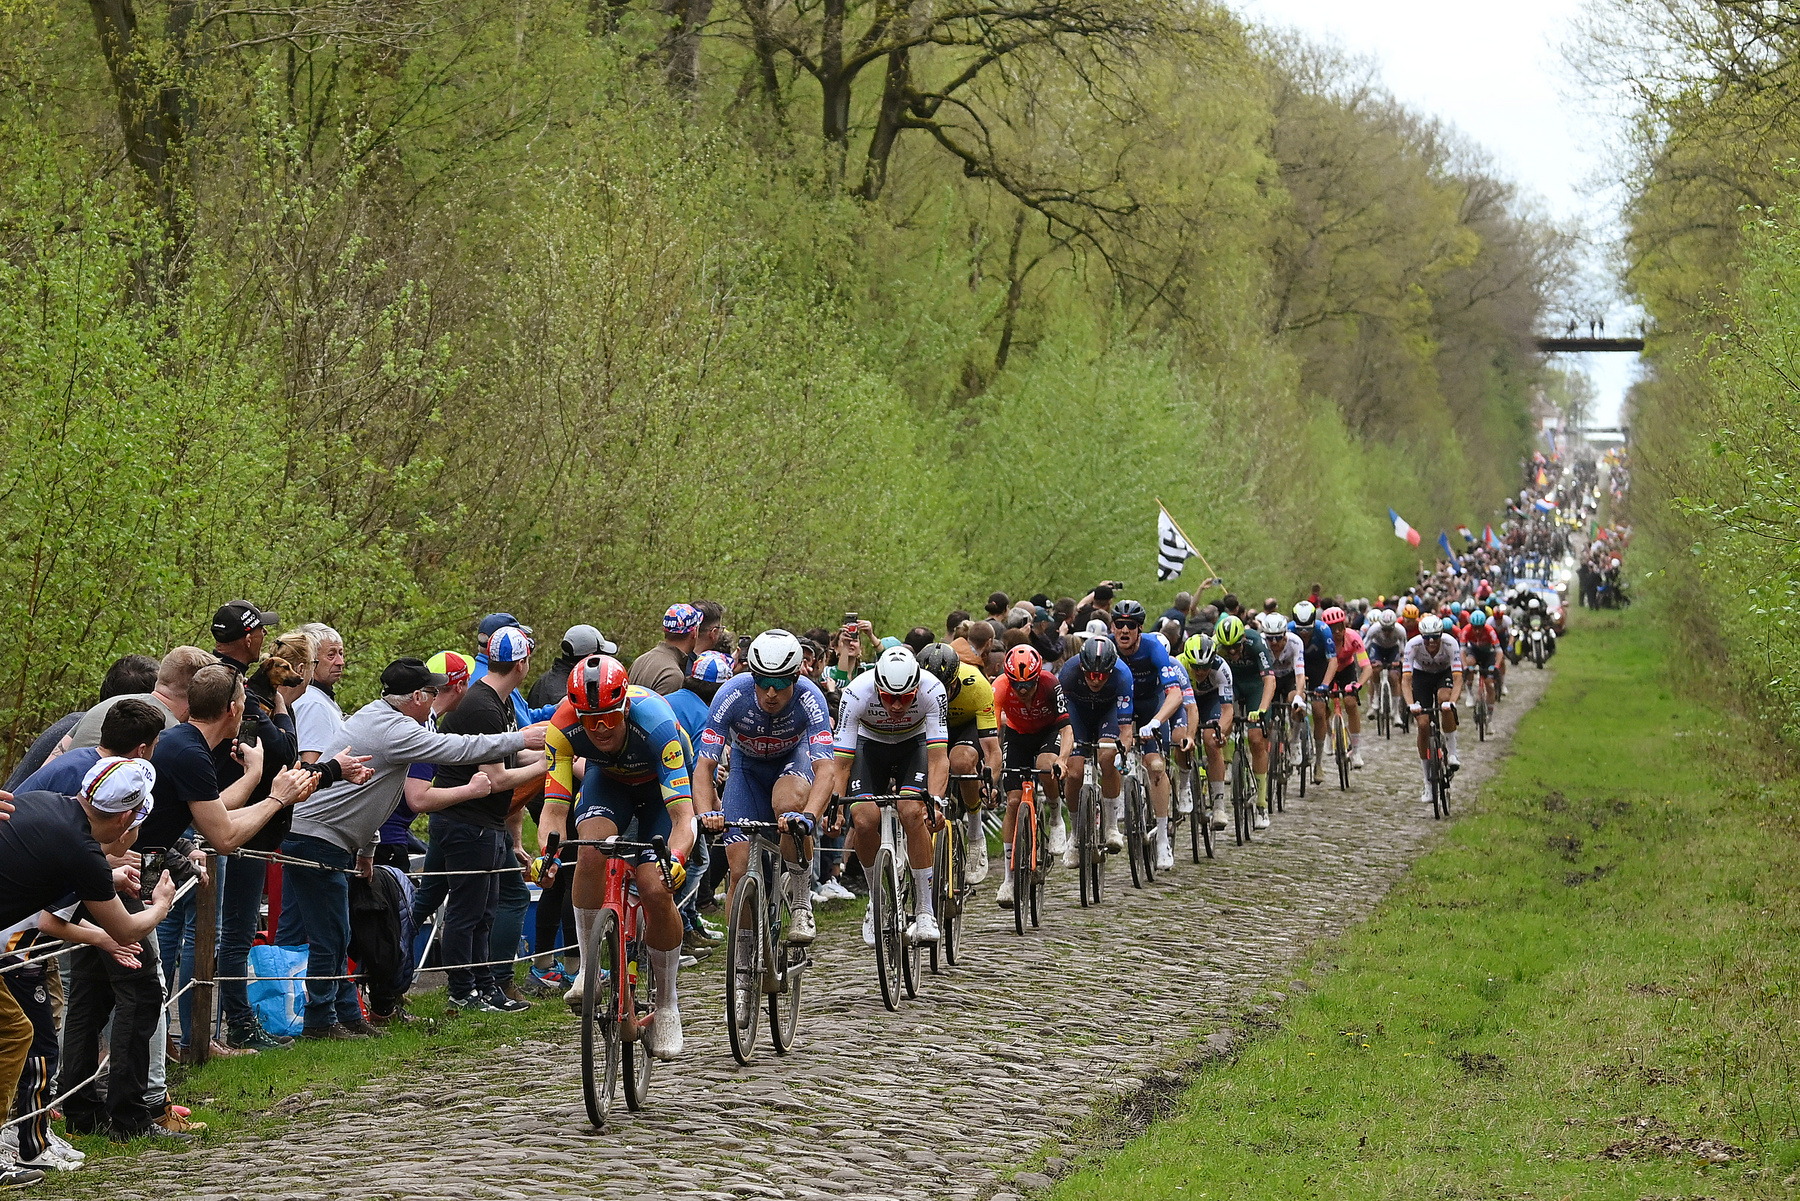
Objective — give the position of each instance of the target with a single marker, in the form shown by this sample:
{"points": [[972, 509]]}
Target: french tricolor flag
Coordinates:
{"points": [[1402, 530]]}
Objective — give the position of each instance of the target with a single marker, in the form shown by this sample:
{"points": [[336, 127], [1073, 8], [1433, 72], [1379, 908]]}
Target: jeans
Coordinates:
{"points": [[240, 903], [323, 898], [469, 913], [687, 897], [175, 947], [133, 998], [432, 889], [509, 914], [556, 911]]}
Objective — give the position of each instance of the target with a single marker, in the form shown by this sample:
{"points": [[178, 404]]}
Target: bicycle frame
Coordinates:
{"points": [[782, 965]]}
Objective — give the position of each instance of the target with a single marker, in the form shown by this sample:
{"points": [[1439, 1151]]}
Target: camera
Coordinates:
{"points": [[173, 860]]}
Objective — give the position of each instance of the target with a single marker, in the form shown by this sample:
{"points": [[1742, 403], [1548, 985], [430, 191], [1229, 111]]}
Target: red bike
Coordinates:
{"points": [[618, 982]]}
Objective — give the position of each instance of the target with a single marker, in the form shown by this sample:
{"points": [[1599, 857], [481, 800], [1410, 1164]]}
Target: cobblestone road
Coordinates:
{"points": [[990, 1067]]}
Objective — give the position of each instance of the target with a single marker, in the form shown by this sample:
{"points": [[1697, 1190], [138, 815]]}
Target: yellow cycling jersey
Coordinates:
{"points": [[974, 701]]}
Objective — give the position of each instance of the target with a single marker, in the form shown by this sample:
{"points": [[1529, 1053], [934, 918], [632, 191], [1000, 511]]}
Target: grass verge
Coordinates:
{"points": [[1587, 990]]}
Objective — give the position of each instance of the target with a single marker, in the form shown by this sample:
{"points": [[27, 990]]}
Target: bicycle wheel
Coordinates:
{"points": [[950, 919], [1481, 711], [1242, 794], [743, 920], [600, 1019], [1024, 855], [940, 891], [1199, 825], [1279, 766], [1340, 749], [642, 986], [910, 954], [1087, 852], [1306, 753], [790, 962], [888, 951], [1134, 830]]}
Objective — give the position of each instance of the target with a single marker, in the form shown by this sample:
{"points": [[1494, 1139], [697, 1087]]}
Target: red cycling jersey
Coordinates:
{"points": [[1041, 709]]}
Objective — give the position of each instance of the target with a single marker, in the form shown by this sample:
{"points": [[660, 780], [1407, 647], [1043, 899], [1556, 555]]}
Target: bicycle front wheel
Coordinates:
{"points": [[885, 896], [790, 963], [909, 911], [1086, 848], [1242, 796], [641, 986], [1199, 822], [743, 965], [600, 1019], [941, 856]]}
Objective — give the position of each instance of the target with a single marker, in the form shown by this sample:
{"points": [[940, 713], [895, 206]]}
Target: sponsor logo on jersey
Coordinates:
{"points": [[671, 755]]}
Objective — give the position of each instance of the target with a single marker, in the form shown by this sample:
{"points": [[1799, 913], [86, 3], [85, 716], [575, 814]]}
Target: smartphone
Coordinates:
{"points": [[850, 619]]}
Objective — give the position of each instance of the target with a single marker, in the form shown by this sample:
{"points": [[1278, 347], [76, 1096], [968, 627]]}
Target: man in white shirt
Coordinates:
{"points": [[318, 720]]}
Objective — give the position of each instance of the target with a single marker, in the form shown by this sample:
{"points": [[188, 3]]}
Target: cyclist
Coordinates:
{"points": [[1321, 670], [776, 726], [1480, 642], [1097, 689], [1156, 695], [893, 727], [1213, 702], [1352, 665], [1034, 718], [1252, 674], [1288, 652], [1182, 731], [1386, 643], [1432, 671], [1409, 619], [638, 773], [974, 733]]}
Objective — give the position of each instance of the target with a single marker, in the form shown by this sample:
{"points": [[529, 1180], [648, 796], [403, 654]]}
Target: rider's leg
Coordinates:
{"points": [[1159, 796], [1449, 721], [1353, 714], [1215, 776], [789, 796], [1259, 767], [918, 850], [588, 892]]}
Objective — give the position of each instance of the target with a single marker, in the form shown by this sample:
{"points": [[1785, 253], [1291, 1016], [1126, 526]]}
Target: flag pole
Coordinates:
{"points": [[1196, 549]]}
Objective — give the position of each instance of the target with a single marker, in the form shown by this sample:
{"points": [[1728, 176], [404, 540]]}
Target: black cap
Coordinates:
{"points": [[409, 675], [238, 618]]}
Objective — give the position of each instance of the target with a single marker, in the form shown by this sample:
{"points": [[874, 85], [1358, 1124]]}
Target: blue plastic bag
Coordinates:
{"points": [[280, 1004]]}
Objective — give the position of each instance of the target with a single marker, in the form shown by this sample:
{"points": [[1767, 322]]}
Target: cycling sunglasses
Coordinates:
{"points": [[775, 681], [1127, 625], [611, 719], [894, 700]]}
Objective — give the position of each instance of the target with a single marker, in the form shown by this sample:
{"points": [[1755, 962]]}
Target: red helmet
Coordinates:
{"points": [[1332, 616], [597, 684], [1023, 664]]}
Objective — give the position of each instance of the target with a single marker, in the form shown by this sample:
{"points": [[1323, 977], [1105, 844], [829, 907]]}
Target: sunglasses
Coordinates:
{"points": [[612, 719], [1025, 685], [775, 681], [1128, 625], [893, 700]]}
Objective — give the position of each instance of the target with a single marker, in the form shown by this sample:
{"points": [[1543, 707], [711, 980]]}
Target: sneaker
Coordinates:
{"points": [[1005, 896], [685, 961], [151, 1131], [175, 1118], [1261, 821], [1425, 797], [1072, 856], [65, 1148], [664, 1032], [924, 930], [1059, 835], [696, 945], [472, 1003], [338, 1033], [869, 925], [1455, 762], [399, 1017], [1356, 760], [1115, 840], [546, 982], [50, 1161], [14, 1175], [363, 1027], [837, 891], [712, 930], [818, 897], [500, 1002], [802, 929], [254, 1038], [978, 860]]}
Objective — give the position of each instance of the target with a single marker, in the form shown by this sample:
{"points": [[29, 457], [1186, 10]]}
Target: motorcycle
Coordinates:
{"points": [[1538, 641]]}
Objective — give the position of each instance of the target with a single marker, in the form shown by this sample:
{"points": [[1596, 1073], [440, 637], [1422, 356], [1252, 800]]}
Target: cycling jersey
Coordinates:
{"points": [[738, 721], [973, 702], [1351, 651], [1384, 637], [1043, 708], [1208, 681], [655, 750], [1289, 655], [1113, 697], [1447, 659], [1152, 675], [863, 715], [1252, 664], [1478, 636]]}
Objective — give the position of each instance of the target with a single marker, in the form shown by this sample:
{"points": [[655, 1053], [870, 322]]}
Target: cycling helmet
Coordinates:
{"points": [[1455, 607], [1431, 625], [1387, 617], [1229, 631], [1198, 655], [1478, 619], [1128, 610], [897, 671], [1304, 612], [940, 660], [1333, 616], [776, 654], [597, 684], [1410, 612], [1099, 655], [1273, 625], [714, 667], [1023, 664]]}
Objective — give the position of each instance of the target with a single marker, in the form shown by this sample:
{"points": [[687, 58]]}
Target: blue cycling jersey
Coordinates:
{"points": [[1152, 674], [1114, 696], [737, 720], [1321, 642]]}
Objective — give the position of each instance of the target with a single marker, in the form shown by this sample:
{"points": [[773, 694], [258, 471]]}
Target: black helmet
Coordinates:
{"points": [[1129, 610], [1099, 655], [940, 659]]}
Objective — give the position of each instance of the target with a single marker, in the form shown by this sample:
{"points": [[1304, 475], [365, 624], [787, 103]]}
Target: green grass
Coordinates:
{"points": [[1604, 950]]}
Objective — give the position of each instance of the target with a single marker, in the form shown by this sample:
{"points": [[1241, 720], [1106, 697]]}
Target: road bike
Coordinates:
{"points": [[1243, 782], [1134, 796], [1339, 726], [757, 918], [618, 981], [1383, 708], [892, 894], [1201, 832], [1437, 761], [1031, 844], [1483, 708], [1280, 733], [950, 874]]}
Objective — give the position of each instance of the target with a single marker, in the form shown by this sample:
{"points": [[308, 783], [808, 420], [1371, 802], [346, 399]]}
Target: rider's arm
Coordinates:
{"points": [[1171, 701]]}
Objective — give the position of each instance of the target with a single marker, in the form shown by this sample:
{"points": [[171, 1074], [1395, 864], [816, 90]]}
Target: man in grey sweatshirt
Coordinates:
{"points": [[338, 827]]}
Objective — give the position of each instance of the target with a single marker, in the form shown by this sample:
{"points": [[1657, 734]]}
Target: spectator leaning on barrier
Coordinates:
{"points": [[664, 666], [337, 828], [129, 675], [170, 694], [317, 716], [129, 732], [239, 629]]}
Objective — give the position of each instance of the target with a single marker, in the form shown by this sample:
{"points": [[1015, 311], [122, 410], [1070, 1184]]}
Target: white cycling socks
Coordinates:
{"points": [[1162, 828], [799, 883], [1425, 769], [1450, 741], [922, 889], [668, 965], [585, 920]]}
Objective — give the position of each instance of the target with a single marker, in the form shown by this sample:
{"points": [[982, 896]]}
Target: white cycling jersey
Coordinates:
{"points": [[863, 714], [1288, 651], [1385, 636], [1447, 659]]}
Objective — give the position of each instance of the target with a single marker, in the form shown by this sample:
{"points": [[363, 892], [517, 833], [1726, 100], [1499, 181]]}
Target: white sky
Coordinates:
{"points": [[1495, 71]]}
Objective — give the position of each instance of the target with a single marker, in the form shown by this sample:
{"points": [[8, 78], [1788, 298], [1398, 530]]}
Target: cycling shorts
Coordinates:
{"points": [[884, 768], [1427, 684], [1019, 750], [622, 805], [1093, 724], [967, 734], [750, 788], [1284, 690], [1210, 705], [1386, 656], [1483, 656]]}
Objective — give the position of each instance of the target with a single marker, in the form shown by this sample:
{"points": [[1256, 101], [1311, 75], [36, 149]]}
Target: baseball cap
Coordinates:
{"points": [[509, 644], [681, 620], [495, 621], [452, 666], [409, 675], [119, 785], [237, 618], [580, 641], [1039, 613], [713, 667]]}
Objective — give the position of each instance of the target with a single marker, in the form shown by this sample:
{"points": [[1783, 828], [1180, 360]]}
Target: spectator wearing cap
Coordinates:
{"points": [[337, 827], [663, 667], [129, 675], [577, 644], [238, 628], [318, 719], [484, 630], [53, 856], [423, 796], [170, 695], [1046, 635], [1097, 603]]}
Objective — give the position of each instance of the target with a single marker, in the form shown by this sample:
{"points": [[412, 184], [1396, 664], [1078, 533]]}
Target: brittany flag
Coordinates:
{"points": [[1402, 530], [1173, 550]]}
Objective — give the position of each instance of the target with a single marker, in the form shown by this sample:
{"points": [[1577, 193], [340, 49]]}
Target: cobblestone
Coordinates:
{"points": [[987, 1070]]}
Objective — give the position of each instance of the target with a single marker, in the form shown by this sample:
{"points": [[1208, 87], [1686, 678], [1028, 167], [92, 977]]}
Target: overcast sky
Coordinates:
{"points": [[1495, 71]]}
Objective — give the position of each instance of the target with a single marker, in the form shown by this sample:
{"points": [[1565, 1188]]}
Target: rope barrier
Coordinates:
{"points": [[456, 967]]}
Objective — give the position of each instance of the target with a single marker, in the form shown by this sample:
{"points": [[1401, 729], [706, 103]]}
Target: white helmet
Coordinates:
{"points": [[1160, 638], [1097, 628], [1303, 613], [775, 653], [1431, 625], [1387, 617], [1272, 624], [897, 671]]}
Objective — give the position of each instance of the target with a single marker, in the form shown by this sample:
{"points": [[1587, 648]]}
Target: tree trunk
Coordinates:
{"points": [[1015, 292], [896, 93], [834, 86], [687, 19]]}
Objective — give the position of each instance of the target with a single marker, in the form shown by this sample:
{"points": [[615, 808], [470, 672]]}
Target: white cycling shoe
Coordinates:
{"points": [[1115, 840], [869, 925], [924, 931], [1072, 856], [1004, 897], [1059, 836], [1425, 797], [1455, 761], [664, 1032], [1184, 800], [1221, 814], [1165, 857], [802, 929], [978, 861], [1356, 760], [1261, 821]]}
